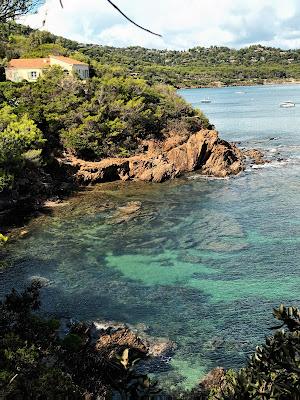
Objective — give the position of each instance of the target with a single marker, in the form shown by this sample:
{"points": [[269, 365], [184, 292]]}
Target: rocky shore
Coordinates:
{"points": [[164, 160], [159, 161]]}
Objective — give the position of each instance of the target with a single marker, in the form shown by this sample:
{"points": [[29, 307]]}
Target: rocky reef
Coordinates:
{"points": [[163, 160]]}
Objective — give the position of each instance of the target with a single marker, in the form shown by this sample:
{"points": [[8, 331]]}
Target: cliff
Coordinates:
{"points": [[160, 161]]}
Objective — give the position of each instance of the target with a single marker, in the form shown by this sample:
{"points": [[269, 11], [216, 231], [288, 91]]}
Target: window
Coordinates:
{"points": [[33, 74]]}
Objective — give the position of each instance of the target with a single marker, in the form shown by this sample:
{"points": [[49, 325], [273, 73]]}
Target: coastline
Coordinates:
{"points": [[166, 160], [243, 84]]}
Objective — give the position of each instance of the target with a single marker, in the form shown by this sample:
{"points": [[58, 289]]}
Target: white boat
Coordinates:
{"points": [[206, 100], [287, 104]]}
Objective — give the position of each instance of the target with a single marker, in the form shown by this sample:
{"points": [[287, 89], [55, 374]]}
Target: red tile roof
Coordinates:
{"points": [[68, 60], [41, 62], [29, 63]]}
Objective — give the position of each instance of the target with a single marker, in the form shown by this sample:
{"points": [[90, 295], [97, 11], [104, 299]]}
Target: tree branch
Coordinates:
{"points": [[125, 16], [12, 9], [130, 20]]}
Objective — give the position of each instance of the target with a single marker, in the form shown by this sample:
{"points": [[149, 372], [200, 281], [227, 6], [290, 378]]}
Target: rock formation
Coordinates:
{"points": [[114, 340], [256, 156], [167, 159]]}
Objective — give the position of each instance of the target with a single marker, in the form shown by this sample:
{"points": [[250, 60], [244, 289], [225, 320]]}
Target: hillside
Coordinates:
{"points": [[195, 67]]}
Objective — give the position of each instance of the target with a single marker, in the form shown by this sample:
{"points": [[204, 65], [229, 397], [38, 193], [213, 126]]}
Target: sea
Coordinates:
{"points": [[203, 261]]}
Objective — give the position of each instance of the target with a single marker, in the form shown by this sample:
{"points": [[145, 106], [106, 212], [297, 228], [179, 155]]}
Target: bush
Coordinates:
{"points": [[273, 372], [105, 117], [18, 135]]}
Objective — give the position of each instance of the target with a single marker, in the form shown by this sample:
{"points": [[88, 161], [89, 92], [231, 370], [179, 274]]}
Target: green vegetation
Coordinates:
{"points": [[38, 361], [273, 370], [194, 67], [17, 136], [107, 116], [12, 9], [3, 239]]}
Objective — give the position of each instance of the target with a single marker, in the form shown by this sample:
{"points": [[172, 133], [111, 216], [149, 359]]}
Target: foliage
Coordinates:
{"points": [[273, 372], [3, 238], [194, 67], [17, 136], [35, 363], [11, 9], [107, 116]]}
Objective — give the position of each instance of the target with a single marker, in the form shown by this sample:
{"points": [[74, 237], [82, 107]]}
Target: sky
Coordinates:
{"points": [[183, 23]]}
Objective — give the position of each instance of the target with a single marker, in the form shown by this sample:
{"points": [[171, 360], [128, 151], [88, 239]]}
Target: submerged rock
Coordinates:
{"points": [[40, 280], [126, 213], [164, 160]]}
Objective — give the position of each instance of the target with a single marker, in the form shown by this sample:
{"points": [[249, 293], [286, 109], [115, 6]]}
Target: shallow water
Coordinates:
{"points": [[202, 262]]}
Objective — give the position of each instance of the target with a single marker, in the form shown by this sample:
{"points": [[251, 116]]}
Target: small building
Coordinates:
{"points": [[30, 69]]}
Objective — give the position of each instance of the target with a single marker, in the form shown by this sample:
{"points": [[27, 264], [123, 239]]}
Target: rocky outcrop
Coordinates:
{"points": [[256, 156], [164, 160], [114, 340], [213, 379]]}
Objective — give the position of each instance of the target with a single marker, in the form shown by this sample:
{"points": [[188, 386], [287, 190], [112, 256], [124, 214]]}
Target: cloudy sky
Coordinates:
{"points": [[183, 23]]}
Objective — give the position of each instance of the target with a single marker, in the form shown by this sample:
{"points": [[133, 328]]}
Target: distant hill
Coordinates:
{"points": [[195, 67]]}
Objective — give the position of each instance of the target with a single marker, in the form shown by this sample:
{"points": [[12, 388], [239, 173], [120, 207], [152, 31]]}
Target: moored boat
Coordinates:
{"points": [[287, 104]]}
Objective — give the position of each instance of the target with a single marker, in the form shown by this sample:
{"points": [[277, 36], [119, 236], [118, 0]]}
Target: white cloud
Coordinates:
{"points": [[183, 23]]}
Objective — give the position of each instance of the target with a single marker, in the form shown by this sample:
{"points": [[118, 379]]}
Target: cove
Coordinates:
{"points": [[202, 262]]}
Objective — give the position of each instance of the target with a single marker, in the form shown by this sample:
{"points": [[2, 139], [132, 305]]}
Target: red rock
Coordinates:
{"points": [[164, 160]]}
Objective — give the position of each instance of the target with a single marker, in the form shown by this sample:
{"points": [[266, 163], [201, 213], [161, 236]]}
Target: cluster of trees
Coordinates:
{"points": [[104, 117], [22, 41], [12, 9], [38, 362], [197, 56], [194, 67], [18, 136], [201, 66]]}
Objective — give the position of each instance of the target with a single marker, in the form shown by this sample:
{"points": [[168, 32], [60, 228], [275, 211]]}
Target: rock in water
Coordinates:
{"points": [[126, 213], [256, 156], [111, 342]]}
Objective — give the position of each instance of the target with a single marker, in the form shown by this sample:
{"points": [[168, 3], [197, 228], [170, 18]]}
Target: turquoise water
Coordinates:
{"points": [[202, 262]]}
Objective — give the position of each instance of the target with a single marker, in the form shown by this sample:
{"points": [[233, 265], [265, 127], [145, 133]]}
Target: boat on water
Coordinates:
{"points": [[206, 100], [287, 104]]}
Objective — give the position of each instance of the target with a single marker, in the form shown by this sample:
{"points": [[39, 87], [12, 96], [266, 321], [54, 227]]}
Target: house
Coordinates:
{"points": [[30, 69]]}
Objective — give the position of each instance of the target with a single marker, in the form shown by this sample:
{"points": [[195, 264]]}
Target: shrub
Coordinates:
{"points": [[273, 372], [17, 136]]}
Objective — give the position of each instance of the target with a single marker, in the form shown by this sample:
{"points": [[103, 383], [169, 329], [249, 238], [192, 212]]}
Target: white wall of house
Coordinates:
{"points": [[81, 69], [21, 74]]}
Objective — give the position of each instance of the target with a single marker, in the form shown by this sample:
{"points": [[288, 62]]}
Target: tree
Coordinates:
{"points": [[12, 9], [17, 136], [273, 372]]}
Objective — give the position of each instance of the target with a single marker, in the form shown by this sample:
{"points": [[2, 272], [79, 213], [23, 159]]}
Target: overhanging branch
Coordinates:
{"points": [[130, 20], [126, 17]]}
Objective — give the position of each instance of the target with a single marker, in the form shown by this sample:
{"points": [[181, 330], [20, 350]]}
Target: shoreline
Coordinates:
{"points": [[162, 161], [242, 84]]}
